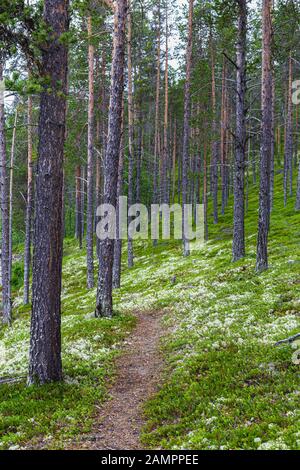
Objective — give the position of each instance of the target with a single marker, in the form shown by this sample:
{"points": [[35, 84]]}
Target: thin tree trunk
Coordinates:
{"points": [[11, 181], [272, 163], [214, 166], [90, 164], [174, 161], [288, 151], [238, 244], [78, 215], [82, 192], [266, 144], [164, 160], [45, 337], [156, 125], [205, 190], [186, 128], [29, 201], [5, 269], [223, 135], [104, 306], [118, 240], [130, 132]]}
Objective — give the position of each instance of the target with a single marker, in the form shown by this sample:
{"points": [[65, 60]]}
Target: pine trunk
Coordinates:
{"points": [[4, 196], [186, 127], [238, 245], [266, 144], [130, 133], [104, 307], [45, 337], [29, 201], [90, 165], [11, 182]]}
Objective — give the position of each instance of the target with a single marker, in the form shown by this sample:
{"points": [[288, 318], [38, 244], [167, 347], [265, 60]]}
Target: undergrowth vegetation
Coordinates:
{"points": [[225, 385]]}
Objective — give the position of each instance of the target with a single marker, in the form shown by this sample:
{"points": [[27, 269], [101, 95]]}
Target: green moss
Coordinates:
{"points": [[225, 384]]}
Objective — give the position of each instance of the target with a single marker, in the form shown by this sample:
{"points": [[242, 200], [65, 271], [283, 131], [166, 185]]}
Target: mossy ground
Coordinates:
{"points": [[225, 387]]}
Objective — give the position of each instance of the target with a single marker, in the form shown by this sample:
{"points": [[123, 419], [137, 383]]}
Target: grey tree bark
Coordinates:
{"points": [[186, 126], [11, 183], [266, 142], [4, 199], [130, 131], [118, 240], [156, 124], [45, 337], [288, 149], [238, 243], [90, 164], [29, 201], [104, 305], [214, 162]]}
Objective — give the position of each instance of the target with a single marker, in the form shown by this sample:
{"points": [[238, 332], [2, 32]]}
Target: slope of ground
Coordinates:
{"points": [[225, 385], [119, 422]]}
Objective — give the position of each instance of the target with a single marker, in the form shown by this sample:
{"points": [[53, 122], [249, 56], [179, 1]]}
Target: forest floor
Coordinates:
{"points": [[120, 420], [222, 383]]}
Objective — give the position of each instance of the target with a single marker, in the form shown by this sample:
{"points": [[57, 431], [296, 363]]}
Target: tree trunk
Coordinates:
{"points": [[5, 268], [205, 191], [27, 246], [78, 206], [174, 161], [90, 164], [223, 136], [156, 125], [164, 160], [272, 163], [266, 144], [288, 151], [118, 240], [45, 337], [238, 245], [214, 166], [130, 132], [186, 126], [11, 180], [104, 306]]}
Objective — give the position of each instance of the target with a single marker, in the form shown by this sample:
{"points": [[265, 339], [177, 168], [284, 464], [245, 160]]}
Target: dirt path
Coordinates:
{"points": [[118, 424]]}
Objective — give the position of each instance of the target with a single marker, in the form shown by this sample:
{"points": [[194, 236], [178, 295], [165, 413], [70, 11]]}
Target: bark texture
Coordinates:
{"points": [[45, 337], [4, 199], [186, 125], [266, 143], [104, 306], [238, 243], [130, 132], [90, 165], [28, 218]]}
